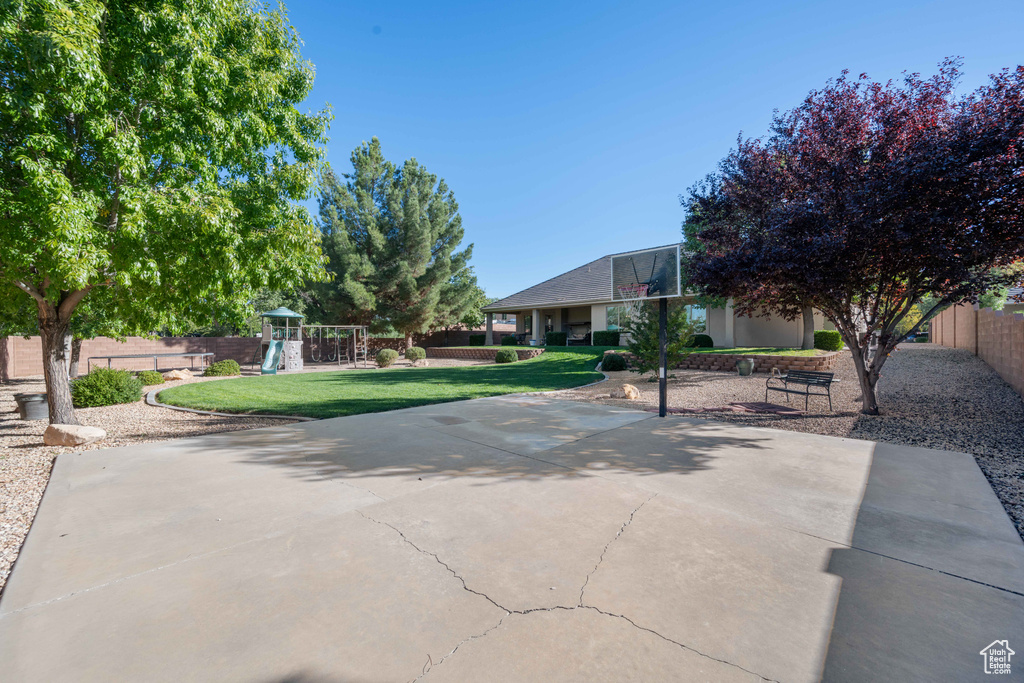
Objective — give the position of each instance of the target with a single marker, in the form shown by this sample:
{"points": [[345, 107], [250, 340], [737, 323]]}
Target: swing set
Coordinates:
{"points": [[339, 344]]}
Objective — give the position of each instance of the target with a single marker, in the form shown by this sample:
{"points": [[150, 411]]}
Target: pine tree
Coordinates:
{"points": [[392, 236]]}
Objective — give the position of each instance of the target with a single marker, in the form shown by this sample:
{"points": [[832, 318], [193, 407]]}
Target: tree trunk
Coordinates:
{"points": [[867, 374], [53, 331], [76, 355], [408, 340], [808, 342]]}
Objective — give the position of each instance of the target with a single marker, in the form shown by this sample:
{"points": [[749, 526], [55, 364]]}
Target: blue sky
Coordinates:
{"points": [[568, 130]]}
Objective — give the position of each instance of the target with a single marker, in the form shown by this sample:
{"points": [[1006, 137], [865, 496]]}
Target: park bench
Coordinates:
{"points": [[807, 379]]}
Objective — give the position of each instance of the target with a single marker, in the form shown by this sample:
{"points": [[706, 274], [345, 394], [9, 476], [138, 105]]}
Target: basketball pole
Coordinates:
{"points": [[662, 356]]}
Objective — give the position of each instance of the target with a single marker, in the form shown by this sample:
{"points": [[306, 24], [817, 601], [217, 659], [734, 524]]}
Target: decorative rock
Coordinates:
{"points": [[627, 391], [71, 435], [177, 374]]}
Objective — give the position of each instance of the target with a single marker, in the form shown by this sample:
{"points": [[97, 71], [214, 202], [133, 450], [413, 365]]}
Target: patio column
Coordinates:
{"points": [[730, 325], [536, 325], [489, 339]]}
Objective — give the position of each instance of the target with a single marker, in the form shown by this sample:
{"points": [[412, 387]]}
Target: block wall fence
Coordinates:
{"points": [[23, 357], [993, 336]]}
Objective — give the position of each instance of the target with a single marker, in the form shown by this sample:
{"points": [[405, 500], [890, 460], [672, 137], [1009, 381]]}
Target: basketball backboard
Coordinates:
{"points": [[647, 274]]}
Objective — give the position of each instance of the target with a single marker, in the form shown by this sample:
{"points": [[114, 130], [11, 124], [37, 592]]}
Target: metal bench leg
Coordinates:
{"points": [[829, 392]]}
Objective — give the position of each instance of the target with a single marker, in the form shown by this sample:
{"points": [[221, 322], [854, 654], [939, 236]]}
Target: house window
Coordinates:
{"points": [[698, 315], [616, 317]]}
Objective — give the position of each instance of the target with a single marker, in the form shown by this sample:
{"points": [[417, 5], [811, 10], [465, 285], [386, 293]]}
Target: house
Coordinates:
{"points": [[579, 303], [1014, 300]]}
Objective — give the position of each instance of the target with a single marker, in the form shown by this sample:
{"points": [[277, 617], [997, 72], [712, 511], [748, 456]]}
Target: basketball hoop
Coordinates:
{"points": [[633, 297]]}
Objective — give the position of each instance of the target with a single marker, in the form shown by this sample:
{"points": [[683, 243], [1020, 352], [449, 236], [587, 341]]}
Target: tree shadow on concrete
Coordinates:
{"points": [[513, 442]]}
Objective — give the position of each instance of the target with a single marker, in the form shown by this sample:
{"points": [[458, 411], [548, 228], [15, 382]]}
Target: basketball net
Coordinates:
{"points": [[633, 297]]}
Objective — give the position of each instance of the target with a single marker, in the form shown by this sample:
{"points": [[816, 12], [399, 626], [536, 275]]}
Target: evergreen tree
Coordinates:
{"points": [[392, 236]]}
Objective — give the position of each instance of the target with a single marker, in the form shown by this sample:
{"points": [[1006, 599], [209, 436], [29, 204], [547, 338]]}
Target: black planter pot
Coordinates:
{"points": [[32, 406]]}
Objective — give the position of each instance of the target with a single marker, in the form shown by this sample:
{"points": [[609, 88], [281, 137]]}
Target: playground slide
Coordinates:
{"points": [[273, 357]]}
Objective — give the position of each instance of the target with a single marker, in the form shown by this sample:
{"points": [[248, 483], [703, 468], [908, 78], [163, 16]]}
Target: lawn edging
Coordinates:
{"points": [[151, 399], [726, 362]]}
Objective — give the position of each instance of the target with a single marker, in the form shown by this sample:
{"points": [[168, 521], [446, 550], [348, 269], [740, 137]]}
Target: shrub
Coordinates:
{"points": [[103, 387], [150, 377], [828, 340], [555, 339], [506, 356], [919, 340], [414, 354], [700, 341], [510, 340], [386, 357], [614, 362], [477, 339], [606, 338], [223, 368]]}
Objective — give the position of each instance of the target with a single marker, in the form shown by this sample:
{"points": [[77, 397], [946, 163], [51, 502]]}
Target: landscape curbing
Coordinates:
{"points": [[151, 400]]}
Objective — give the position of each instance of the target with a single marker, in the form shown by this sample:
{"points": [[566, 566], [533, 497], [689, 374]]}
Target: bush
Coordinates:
{"points": [[414, 354], [223, 368], [606, 338], [506, 356], [614, 362], [103, 387], [510, 340], [555, 339], [477, 339], [920, 340], [700, 341], [828, 340], [150, 377], [386, 357]]}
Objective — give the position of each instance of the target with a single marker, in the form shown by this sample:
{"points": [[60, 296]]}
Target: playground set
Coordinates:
{"points": [[281, 346]]}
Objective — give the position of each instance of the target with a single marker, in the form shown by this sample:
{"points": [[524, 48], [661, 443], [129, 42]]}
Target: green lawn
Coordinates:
{"points": [[351, 392], [763, 351]]}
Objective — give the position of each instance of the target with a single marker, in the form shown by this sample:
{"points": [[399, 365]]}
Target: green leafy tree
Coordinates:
{"points": [[392, 235], [152, 151], [642, 341]]}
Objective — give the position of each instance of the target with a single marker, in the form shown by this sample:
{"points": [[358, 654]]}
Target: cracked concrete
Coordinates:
{"points": [[512, 539]]}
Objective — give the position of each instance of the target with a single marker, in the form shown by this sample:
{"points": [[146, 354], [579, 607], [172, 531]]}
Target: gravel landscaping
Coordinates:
{"points": [[930, 396]]}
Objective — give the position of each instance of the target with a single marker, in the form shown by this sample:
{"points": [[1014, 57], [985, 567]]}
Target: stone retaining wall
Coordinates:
{"points": [[727, 362], [481, 352]]}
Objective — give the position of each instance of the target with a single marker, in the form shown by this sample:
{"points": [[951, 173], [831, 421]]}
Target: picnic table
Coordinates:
{"points": [[155, 357]]}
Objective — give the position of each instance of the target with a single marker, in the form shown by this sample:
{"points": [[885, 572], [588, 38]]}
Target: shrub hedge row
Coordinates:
{"points": [[477, 339], [555, 339], [606, 338], [509, 340]]}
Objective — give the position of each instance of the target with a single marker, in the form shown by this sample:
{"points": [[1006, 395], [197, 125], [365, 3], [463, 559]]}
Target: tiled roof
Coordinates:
{"points": [[590, 283]]}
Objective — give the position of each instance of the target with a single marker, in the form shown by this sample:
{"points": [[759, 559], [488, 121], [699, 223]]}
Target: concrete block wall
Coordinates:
{"points": [[997, 337]]}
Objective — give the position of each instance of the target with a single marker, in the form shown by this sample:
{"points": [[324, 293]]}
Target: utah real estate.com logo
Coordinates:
{"points": [[997, 657]]}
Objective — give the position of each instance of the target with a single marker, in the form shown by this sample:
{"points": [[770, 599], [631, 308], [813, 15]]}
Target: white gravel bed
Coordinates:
{"points": [[25, 463], [929, 396]]}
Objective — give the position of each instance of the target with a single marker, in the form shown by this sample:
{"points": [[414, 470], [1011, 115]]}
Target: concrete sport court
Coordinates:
{"points": [[514, 539]]}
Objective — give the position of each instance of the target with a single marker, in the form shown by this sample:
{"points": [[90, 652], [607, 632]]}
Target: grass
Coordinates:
{"points": [[352, 392], [762, 351]]}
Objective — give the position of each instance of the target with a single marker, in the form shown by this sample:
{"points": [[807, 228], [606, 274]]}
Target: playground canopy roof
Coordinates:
{"points": [[281, 312]]}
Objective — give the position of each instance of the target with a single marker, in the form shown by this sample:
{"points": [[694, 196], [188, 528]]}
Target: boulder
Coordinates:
{"points": [[177, 374], [71, 435], [627, 391]]}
